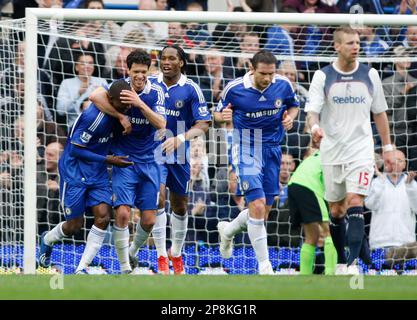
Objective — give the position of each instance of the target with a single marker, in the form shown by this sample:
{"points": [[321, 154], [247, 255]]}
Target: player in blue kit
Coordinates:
{"points": [[261, 105], [84, 179], [138, 185], [187, 118]]}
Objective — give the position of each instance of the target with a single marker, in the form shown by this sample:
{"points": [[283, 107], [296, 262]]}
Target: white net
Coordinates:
{"points": [[217, 53]]}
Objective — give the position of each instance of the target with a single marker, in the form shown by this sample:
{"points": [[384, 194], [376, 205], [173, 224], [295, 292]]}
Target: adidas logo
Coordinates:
{"points": [[262, 98], [166, 95]]}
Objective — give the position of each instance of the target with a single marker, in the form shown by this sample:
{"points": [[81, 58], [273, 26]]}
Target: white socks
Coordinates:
{"points": [[95, 240], [237, 225], [54, 235], [178, 233], [159, 233], [140, 238], [121, 242], [257, 236]]}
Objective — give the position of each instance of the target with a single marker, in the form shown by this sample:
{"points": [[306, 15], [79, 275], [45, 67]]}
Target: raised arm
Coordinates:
{"points": [[101, 99]]}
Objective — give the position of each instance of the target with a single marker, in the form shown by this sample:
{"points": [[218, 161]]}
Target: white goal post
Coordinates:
{"points": [[33, 15]]}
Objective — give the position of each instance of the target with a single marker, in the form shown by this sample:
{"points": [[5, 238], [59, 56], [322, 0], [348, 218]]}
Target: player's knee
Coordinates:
{"points": [[73, 226], [122, 216], [354, 200], [147, 221], [337, 210], [102, 221], [257, 208]]}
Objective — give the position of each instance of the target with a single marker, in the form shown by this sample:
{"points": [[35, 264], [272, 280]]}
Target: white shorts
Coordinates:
{"points": [[353, 177]]}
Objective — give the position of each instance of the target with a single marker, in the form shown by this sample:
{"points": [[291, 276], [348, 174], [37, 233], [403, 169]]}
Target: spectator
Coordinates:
{"points": [[249, 45], [396, 89], [213, 80], [262, 5], [198, 151], [48, 203], [72, 92], [372, 44], [296, 139], [100, 29], [198, 32], [227, 36], [393, 202], [279, 39], [287, 168], [161, 4], [151, 30], [310, 6], [181, 5]]}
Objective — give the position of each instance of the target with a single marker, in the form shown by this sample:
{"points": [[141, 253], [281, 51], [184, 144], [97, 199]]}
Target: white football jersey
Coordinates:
{"points": [[345, 102]]}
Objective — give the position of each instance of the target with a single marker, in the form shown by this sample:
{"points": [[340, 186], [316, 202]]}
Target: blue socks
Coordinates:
{"points": [[355, 232], [338, 232]]}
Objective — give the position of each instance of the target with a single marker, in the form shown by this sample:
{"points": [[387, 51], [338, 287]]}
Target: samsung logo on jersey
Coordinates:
{"points": [[350, 99], [139, 121], [263, 113], [347, 78], [173, 113]]}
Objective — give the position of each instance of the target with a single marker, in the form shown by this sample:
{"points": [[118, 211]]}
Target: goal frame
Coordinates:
{"points": [[34, 14]]}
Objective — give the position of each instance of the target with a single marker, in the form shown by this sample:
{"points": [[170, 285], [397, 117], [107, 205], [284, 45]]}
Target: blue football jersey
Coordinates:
{"points": [[184, 105], [142, 141], [254, 109], [92, 130]]}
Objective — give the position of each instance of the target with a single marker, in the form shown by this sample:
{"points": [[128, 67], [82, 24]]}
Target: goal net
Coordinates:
{"points": [[216, 53]]}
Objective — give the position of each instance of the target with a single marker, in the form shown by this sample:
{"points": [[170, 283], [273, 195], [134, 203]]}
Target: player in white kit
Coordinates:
{"points": [[342, 97]]}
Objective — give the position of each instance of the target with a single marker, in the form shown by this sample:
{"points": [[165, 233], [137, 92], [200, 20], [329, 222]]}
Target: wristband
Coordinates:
{"points": [[181, 137], [314, 127], [387, 148]]}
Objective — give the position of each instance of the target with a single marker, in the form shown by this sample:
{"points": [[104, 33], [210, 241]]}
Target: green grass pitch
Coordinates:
{"points": [[206, 287]]}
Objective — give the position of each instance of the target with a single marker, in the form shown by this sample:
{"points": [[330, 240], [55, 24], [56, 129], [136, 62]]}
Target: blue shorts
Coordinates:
{"points": [[176, 177], [136, 186], [259, 176], [76, 199]]}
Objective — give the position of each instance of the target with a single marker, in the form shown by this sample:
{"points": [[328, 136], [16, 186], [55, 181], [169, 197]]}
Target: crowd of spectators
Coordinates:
{"points": [[70, 68]]}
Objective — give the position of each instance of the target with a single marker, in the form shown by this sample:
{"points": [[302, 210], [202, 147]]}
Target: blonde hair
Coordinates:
{"points": [[337, 34]]}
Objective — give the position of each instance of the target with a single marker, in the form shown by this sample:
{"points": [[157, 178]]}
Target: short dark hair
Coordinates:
{"points": [[181, 54], [87, 3], [263, 56], [117, 87], [77, 54], [138, 56]]}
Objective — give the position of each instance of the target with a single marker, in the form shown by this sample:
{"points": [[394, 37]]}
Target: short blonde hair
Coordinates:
{"points": [[337, 34]]}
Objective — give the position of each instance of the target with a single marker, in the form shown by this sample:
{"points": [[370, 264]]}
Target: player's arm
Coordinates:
{"points": [[131, 97], [378, 108], [83, 153], [223, 112], [101, 99]]}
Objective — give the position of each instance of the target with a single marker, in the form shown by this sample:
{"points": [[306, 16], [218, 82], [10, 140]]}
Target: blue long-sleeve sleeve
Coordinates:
{"points": [[85, 154]]}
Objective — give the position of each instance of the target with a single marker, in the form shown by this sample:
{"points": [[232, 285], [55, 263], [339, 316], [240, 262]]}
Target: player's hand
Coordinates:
{"points": [[316, 137], [227, 113], [118, 161], [130, 97], [52, 185], [410, 177], [171, 144], [125, 122], [287, 121]]}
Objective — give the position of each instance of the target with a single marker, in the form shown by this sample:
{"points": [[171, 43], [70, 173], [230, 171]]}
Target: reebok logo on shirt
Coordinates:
{"points": [[349, 99]]}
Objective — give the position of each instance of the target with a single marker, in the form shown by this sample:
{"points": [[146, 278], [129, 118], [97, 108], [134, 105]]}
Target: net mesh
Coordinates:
{"points": [[217, 53]]}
